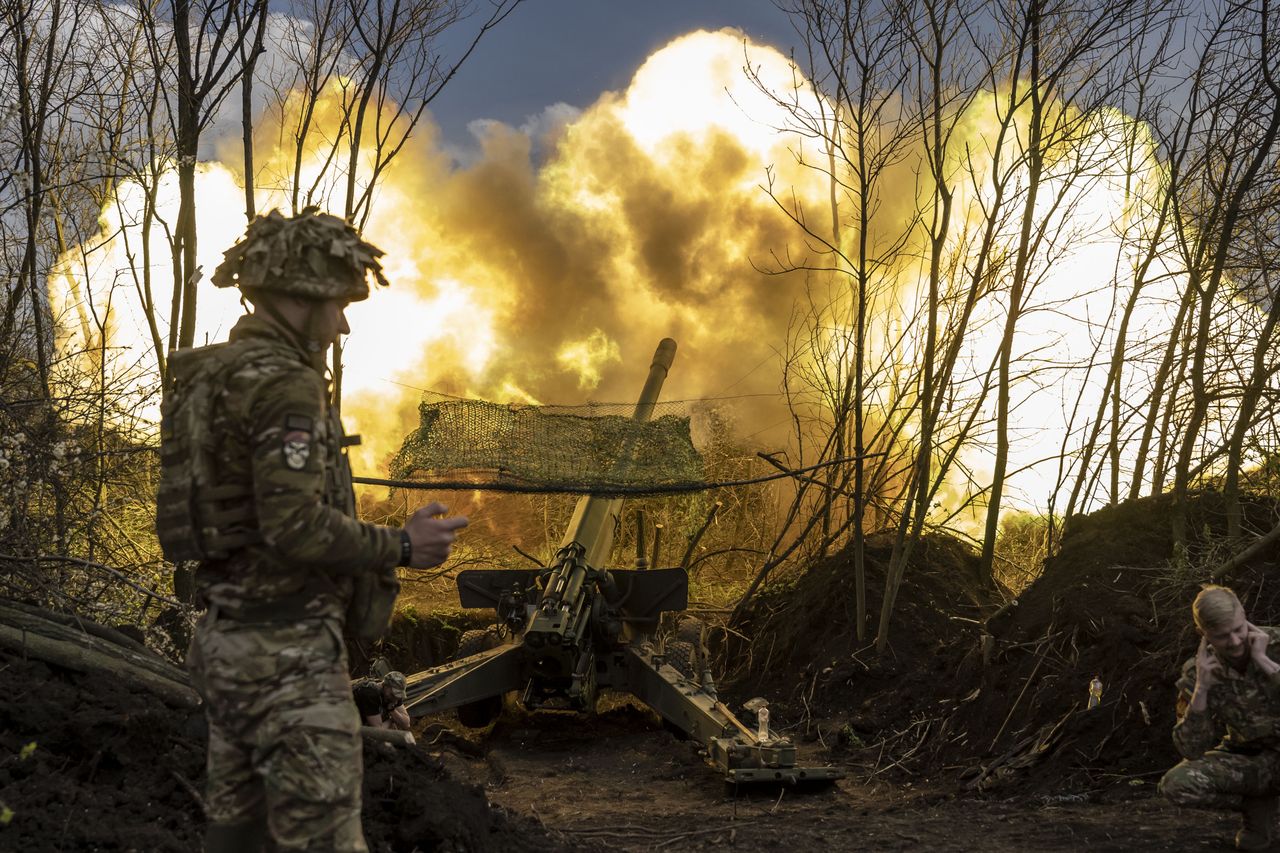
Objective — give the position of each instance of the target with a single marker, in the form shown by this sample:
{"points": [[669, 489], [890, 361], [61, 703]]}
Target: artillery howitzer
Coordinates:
{"points": [[574, 629]]}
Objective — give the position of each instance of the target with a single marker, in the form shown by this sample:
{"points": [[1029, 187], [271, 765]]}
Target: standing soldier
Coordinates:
{"points": [[1228, 727], [255, 487]]}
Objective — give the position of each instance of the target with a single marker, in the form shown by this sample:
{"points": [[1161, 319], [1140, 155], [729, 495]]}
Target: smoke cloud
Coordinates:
{"points": [[546, 265], [645, 219]]}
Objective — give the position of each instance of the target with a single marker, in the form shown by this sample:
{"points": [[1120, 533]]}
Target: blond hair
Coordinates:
{"points": [[1214, 607]]}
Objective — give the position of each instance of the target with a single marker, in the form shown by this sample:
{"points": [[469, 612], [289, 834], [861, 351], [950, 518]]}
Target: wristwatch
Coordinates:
{"points": [[406, 548]]}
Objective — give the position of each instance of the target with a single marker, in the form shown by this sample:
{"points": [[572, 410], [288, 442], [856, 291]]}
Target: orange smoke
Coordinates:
{"points": [[529, 279]]}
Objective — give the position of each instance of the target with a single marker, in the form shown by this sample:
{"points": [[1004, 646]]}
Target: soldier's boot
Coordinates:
{"points": [[1259, 819], [247, 837]]}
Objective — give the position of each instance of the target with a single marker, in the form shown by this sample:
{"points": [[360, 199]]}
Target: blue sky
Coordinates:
{"points": [[569, 51]]}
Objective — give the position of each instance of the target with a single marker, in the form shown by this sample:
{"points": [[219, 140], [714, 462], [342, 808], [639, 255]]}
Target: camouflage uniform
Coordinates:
{"points": [[1232, 750], [371, 699], [268, 656]]}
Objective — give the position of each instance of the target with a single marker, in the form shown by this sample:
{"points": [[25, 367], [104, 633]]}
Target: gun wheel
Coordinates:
{"points": [[684, 647], [482, 712], [694, 632], [682, 657], [476, 641]]}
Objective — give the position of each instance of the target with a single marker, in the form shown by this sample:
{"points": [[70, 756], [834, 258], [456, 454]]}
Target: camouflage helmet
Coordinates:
{"points": [[312, 255], [395, 681]]}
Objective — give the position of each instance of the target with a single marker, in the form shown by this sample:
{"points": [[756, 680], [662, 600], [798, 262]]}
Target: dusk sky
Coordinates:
{"points": [[551, 51]]}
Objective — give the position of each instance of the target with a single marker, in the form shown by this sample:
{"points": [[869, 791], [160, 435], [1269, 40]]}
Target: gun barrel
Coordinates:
{"points": [[589, 537], [594, 517], [663, 358]]}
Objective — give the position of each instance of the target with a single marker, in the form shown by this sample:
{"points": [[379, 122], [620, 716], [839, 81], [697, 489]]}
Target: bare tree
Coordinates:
{"points": [[1049, 71], [1259, 263], [950, 70], [381, 63], [47, 80], [206, 39], [1073, 56], [854, 116], [1231, 124], [249, 55], [68, 483]]}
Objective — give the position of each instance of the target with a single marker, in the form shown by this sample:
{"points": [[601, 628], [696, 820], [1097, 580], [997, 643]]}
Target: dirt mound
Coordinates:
{"points": [[417, 641], [88, 763], [1110, 604], [804, 655], [79, 767], [1001, 703]]}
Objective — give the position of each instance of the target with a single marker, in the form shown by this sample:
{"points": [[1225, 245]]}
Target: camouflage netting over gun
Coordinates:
{"points": [[554, 448]]}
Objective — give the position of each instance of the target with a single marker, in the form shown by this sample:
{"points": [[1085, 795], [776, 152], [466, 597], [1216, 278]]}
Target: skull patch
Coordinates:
{"points": [[297, 449]]}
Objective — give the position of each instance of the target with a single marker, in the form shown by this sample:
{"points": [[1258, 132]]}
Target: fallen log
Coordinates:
{"points": [[88, 626], [1261, 544], [396, 737], [47, 637]]}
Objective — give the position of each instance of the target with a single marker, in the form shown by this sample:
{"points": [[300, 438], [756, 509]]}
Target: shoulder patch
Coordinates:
{"points": [[295, 442]]}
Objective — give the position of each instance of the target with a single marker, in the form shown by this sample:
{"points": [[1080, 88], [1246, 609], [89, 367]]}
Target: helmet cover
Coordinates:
{"points": [[395, 681], [312, 255]]}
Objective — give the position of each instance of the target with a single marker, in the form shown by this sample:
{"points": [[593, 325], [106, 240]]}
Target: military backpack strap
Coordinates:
{"points": [[373, 594], [198, 517]]}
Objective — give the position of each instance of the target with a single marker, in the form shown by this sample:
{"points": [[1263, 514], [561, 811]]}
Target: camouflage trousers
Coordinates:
{"points": [[1221, 779], [284, 736]]}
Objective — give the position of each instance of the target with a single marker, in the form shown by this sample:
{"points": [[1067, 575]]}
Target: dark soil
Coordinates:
{"points": [[994, 698], [805, 656], [972, 733], [621, 780], [87, 763]]}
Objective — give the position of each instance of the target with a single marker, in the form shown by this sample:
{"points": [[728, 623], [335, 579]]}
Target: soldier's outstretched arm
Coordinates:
{"points": [[432, 536], [290, 442]]}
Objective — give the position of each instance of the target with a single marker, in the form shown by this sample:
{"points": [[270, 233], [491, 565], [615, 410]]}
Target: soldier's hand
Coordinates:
{"points": [[1258, 640], [1208, 667], [432, 535]]}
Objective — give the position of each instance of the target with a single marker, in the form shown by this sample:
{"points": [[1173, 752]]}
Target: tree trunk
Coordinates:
{"points": [[91, 648], [1261, 371], [1035, 165]]}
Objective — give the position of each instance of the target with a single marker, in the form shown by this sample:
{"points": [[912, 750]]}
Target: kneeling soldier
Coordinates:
{"points": [[381, 703], [1228, 727]]}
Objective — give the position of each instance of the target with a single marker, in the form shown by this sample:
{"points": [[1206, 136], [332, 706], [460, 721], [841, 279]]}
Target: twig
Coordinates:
{"points": [[684, 835], [898, 762], [1030, 678], [1105, 775], [89, 564], [797, 472], [191, 789], [661, 838], [1247, 554], [529, 557], [1030, 644], [1000, 761], [697, 537]]}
